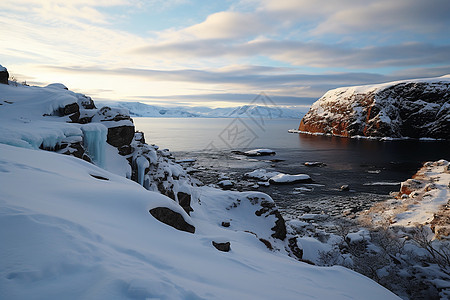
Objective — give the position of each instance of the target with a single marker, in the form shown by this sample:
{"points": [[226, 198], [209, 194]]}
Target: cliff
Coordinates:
{"points": [[414, 108]]}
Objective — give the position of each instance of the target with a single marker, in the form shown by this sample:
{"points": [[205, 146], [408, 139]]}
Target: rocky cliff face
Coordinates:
{"points": [[414, 108]]}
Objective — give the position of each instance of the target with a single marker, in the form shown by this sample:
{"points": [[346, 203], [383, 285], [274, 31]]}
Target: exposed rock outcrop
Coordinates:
{"points": [[415, 108], [422, 200], [4, 75], [171, 218], [224, 247]]}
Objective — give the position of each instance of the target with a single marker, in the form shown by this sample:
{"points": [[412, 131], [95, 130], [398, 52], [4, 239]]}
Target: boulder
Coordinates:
{"points": [[4, 75], [184, 200], [224, 247], [171, 218], [345, 188], [415, 108]]}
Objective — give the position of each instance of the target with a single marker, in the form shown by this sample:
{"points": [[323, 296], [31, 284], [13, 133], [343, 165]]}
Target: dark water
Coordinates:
{"points": [[372, 169]]}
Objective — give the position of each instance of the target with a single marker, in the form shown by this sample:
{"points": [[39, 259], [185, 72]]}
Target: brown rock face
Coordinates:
{"points": [[408, 109]]}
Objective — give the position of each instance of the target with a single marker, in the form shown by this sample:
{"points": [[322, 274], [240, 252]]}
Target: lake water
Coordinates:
{"points": [[372, 169]]}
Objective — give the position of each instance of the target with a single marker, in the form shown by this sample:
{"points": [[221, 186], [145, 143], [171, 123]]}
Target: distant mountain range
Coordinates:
{"points": [[138, 109]]}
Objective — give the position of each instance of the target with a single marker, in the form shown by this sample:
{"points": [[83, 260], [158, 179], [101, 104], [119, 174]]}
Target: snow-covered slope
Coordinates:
{"points": [[66, 234], [138, 109], [70, 229], [413, 108]]}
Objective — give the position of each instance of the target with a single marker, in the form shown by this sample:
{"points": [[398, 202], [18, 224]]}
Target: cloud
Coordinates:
{"points": [[307, 54], [252, 79], [354, 16], [61, 10], [226, 25]]}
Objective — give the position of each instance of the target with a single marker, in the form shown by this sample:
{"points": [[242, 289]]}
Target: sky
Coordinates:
{"points": [[222, 53]]}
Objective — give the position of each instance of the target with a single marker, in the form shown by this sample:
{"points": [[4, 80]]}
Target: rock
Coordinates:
{"points": [[295, 250], [315, 164], [225, 184], [69, 109], [279, 229], [267, 243], [416, 108], [125, 150], [225, 247], [226, 224], [120, 136], [184, 200], [409, 186], [4, 75], [345, 188], [259, 152], [171, 218]]}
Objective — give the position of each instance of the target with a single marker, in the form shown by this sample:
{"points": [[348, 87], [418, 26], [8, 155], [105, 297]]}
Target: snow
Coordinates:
{"points": [[100, 242], [430, 192], [225, 183], [261, 174], [95, 141], [138, 109], [259, 152], [287, 178], [70, 229], [57, 86], [380, 182]]}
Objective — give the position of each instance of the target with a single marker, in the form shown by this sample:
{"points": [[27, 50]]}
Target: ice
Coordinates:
{"points": [[142, 164], [95, 135]]}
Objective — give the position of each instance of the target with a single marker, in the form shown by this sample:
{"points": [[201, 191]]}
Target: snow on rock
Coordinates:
{"points": [[57, 86], [314, 164], [100, 241], [226, 184], [422, 200], [412, 108], [261, 174], [259, 152], [287, 178], [94, 135]]}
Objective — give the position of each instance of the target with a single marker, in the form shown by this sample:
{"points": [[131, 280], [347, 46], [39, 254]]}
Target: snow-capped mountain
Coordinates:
{"points": [[138, 109]]}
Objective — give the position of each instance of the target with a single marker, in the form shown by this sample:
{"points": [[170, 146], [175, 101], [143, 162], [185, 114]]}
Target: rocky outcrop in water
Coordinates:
{"points": [[415, 108]]}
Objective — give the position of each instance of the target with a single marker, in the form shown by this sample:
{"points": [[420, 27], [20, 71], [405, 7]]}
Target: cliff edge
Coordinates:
{"points": [[417, 108]]}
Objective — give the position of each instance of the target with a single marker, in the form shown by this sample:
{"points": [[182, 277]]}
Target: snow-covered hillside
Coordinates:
{"points": [[411, 108], [138, 109], [70, 229]]}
